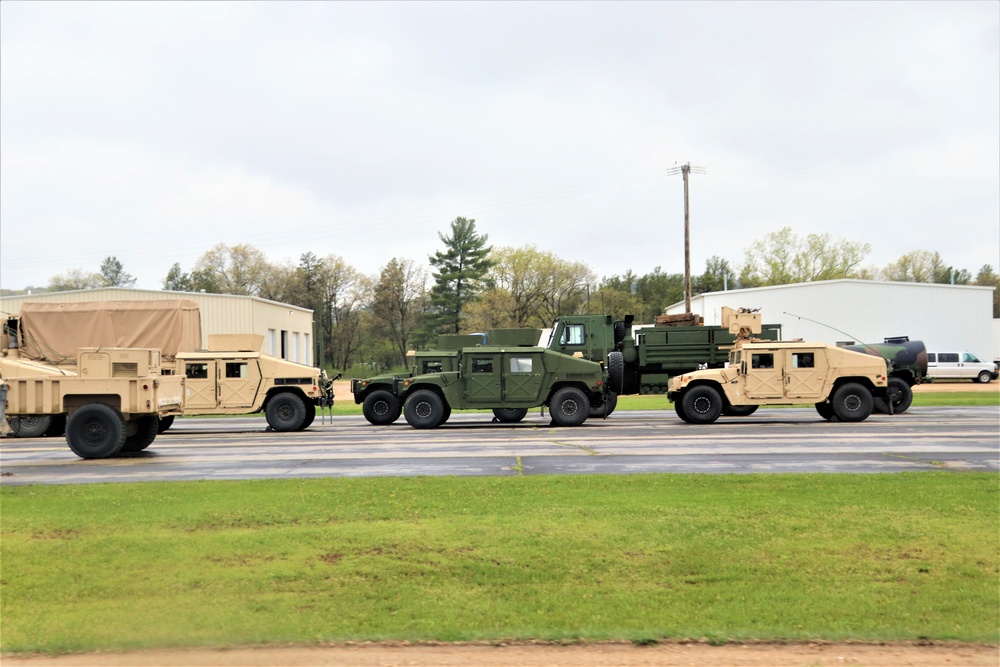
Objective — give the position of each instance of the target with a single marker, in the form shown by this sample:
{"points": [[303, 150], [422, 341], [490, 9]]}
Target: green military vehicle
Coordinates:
{"points": [[907, 367], [840, 383], [508, 375], [643, 363]]}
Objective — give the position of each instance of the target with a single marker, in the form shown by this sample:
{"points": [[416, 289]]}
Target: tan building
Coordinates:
{"points": [[287, 329]]}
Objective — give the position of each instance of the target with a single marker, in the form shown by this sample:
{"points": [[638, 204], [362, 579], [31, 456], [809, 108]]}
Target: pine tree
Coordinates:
{"points": [[458, 274]]}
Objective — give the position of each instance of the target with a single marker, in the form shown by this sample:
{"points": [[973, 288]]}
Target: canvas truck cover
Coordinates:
{"points": [[52, 332]]}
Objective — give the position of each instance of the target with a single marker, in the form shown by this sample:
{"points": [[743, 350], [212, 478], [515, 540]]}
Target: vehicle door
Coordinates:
{"points": [[482, 378], [573, 339], [805, 372], [239, 382], [200, 385], [522, 376], [763, 376]]}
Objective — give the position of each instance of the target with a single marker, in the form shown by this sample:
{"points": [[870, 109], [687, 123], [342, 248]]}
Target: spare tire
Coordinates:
{"points": [[616, 371]]}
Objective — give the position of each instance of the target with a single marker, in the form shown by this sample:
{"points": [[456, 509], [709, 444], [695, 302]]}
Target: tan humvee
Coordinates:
{"points": [[841, 383], [112, 401], [233, 377]]}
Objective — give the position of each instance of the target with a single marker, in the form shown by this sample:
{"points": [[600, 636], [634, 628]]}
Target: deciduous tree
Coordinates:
{"points": [[398, 302]]}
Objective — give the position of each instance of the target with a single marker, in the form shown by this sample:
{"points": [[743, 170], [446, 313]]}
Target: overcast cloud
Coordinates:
{"points": [[153, 131]]}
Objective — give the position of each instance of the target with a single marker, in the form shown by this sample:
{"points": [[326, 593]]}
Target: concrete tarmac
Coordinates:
{"points": [[772, 440]]}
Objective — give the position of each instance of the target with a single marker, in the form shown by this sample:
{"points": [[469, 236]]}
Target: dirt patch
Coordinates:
{"points": [[543, 655], [954, 385]]}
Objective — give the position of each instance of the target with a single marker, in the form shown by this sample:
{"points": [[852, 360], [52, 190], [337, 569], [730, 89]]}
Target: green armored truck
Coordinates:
{"points": [[509, 375]]}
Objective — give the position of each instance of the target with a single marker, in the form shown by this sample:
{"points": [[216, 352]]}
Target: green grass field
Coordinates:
{"points": [[564, 558]]}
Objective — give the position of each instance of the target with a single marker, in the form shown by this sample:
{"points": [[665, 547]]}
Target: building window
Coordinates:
{"points": [[272, 342], [295, 346]]}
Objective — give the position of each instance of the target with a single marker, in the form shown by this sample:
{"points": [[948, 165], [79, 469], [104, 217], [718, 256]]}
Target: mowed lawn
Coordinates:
{"points": [[564, 558]]}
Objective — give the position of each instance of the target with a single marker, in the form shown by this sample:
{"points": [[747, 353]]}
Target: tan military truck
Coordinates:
{"points": [[841, 383], [230, 376], [112, 401]]}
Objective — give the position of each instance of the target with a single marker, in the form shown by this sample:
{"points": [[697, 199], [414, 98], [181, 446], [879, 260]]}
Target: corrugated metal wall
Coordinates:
{"points": [[945, 317], [220, 313]]}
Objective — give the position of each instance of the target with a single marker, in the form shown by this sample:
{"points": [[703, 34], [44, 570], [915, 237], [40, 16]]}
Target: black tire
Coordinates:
{"points": [[899, 393], [616, 371], [141, 432], [569, 407], [605, 408], [447, 414], [510, 415], [852, 402], [702, 404], [619, 331], [825, 410], [310, 416], [679, 409], [165, 423], [95, 431], [739, 410], [286, 412], [984, 377], [381, 407], [424, 409], [33, 426]]}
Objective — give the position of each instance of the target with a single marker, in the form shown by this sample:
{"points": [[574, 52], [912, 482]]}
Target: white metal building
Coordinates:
{"points": [[945, 317], [287, 330]]}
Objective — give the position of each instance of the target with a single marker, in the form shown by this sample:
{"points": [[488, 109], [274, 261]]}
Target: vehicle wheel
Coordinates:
{"points": [[381, 407], [619, 331], [510, 415], [95, 431], [33, 426], [739, 410], [424, 409], [852, 402], [165, 423], [140, 433], [286, 412], [825, 410], [606, 407], [679, 409], [616, 371], [310, 417], [569, 407], [899, 393], [702, 404], [984, 377], [57, 427], [447, 414]]}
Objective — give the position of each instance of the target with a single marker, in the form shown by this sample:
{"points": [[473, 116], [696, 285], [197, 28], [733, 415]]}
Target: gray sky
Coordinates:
{"points": [[153, 131]]}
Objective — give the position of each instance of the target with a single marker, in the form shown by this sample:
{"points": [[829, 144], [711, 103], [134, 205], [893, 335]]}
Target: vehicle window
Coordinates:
{"points": [[762, 360], [432, 367], [948, 357], [970, 358], [803, 360], [197, 371], [573, 334], [520, 364], [482, 365], [236, 369], [931, 357]]}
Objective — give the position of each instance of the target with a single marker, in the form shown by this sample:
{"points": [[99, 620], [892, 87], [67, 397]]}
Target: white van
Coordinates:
{"points": [[959, 366]]}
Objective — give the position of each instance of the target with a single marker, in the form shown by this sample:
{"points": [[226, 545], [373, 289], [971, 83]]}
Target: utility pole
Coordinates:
{"points": [[684, 170]]}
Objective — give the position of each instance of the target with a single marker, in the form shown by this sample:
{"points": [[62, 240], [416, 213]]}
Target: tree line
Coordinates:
{"points": [[371, 321]]}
